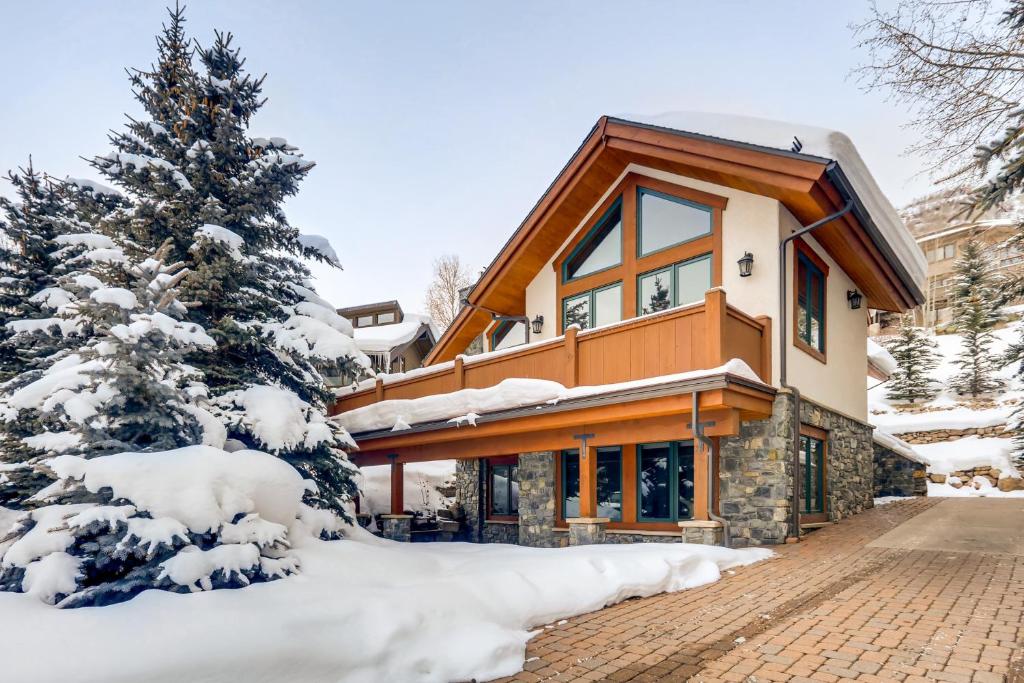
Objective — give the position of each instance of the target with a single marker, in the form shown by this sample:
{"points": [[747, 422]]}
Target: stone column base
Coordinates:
{"points": [[705, 532], [397, 527], [587, 530]]}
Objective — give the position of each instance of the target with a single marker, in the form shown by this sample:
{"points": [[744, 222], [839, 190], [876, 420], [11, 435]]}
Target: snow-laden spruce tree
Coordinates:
{"points": [[976, 303], [915, 355], [50, 256], [203, 182], [135, 502]]}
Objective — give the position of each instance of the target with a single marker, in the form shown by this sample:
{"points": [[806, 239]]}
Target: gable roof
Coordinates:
{"points": [[870, 243]]}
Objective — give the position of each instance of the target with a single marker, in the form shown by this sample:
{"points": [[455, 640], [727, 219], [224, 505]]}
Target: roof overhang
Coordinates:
{"points": [[722, 393], [809, 187]]}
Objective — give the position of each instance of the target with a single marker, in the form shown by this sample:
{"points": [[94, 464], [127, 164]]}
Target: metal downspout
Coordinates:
{"points": [[795, 512], [698, 434]]}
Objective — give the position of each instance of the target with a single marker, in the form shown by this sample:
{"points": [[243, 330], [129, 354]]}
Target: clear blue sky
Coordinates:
{"points": [[437, 125]]}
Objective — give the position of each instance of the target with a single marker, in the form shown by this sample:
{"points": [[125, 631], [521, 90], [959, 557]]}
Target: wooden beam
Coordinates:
{"points": [[397, 488], [588, 481]]}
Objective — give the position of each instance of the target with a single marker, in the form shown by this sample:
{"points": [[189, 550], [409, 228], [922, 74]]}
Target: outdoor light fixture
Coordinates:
{"points": [[746, 264], [537, 324], [854, 297]]}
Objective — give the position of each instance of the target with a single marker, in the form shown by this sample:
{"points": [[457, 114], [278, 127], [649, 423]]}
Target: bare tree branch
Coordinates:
{"points": [[442, 298]]}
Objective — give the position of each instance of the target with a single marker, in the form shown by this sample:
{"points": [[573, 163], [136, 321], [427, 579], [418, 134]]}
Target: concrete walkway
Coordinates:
{"points": [[919, 590]]}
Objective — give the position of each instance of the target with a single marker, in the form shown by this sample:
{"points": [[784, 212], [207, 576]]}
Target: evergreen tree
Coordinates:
{"points": [[660, 300], [216, 193], [975, 312], [915, 357]]}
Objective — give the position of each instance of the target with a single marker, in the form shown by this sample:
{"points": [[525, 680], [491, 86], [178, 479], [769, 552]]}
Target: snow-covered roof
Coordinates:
{"points": [[880, 357], [897, 445], [818, 142], [384, 338]]}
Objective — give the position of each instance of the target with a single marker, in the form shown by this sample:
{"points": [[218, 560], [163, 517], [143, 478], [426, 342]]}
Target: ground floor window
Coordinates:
{"points": [[812, 463], [503, 487], [665, 481], [609, 483]]}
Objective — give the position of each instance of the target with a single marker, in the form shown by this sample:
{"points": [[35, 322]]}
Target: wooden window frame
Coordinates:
{"points": [[822, 436], [490, 463], [592, 294], [633, 265], [560, 489], [801, 248]]}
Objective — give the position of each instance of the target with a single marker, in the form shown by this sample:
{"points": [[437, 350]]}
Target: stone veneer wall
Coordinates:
{"points": [[756, 477], [537, 500], [467, 493], [898, 475]]}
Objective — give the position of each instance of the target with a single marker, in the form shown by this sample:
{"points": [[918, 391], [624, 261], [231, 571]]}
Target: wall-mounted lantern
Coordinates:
{"points": [[746, 264], [855, 298], [537, 324]]}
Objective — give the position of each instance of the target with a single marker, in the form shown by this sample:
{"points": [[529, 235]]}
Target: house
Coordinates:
{"points": [[941, 228], [676, 345], [394, 341]]}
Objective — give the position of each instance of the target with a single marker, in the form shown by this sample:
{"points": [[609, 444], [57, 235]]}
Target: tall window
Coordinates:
{"points": [[508, 333], [812, 456], [665, 481], [601, 249], [599, 306], [503, 487], [810, 304], [609, 483], [675, 285], [666, 221]]}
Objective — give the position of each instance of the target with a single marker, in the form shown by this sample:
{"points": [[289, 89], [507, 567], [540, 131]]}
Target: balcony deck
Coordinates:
{"points": [[696, 337]]}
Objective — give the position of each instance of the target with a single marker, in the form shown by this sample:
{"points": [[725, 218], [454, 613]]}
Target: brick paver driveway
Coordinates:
{"points": [[851, 602]]}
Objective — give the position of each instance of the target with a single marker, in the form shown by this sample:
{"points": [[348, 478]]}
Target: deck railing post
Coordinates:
{"points": [[460, 372], [378, 389], [766, 348], [572, 366], [715, 312]]}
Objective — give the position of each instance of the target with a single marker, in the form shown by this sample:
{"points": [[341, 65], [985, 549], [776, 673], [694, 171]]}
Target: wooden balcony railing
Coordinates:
{"points": [[695, 337]]}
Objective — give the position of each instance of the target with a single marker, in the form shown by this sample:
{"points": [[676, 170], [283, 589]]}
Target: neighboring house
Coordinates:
{"points": [[940, 227], [653, 393], [395, 341]]}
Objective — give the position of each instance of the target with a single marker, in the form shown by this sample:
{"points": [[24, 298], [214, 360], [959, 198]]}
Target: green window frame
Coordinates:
{"points": [[604, 226], [812, 469], [810, 281], [501, 330], [590, 297], [640, 192], [607, 486], [674, 290], [507, 489], [679, 452]]}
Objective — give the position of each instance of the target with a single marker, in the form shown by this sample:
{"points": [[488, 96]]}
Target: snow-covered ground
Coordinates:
{"points": [[950, 411], [363, 609], [422, 481]]}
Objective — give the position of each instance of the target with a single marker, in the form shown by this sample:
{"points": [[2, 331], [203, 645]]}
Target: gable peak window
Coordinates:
{"points": [[508, 333], [665, 221], [601, 249]]}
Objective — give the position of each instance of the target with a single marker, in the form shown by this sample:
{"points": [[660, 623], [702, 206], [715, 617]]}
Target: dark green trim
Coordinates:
{"points": [[591, 295], [809, 316], [812, 447], [674, 271], [640, 191], [673, 480]]}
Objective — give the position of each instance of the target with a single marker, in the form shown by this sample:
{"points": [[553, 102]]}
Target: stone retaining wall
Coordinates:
{"points": [[966, 478], [938, 435], [897, 475]]}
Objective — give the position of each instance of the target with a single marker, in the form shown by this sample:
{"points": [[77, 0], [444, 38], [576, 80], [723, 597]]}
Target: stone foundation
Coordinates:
{"points": [[587, 530], [702, 532], [897, 475], [501, 532], [397, 527], [850, 465]]}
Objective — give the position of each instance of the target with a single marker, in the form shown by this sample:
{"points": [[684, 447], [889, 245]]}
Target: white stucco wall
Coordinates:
{"points": [[755, 223]]}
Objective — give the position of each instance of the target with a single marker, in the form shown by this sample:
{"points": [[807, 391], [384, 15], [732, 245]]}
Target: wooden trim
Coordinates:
{"points": [[397, 487], [801, 247], [632, 264]]}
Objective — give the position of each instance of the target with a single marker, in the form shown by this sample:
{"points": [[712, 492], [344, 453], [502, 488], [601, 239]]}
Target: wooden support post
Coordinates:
{"points": [[700, 480], [572, 365], [715, 312], [588, 481], [397, 489], [766, 348], [460, 372]]}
